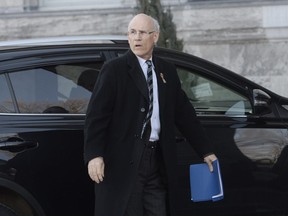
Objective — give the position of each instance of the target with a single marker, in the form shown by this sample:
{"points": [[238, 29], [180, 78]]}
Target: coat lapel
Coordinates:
{"points": [[161, 74], [137, 74], [140, 81]]}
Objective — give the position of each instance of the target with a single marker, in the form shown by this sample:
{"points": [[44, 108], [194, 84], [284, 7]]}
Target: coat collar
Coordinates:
{"points": [[162, 83]]}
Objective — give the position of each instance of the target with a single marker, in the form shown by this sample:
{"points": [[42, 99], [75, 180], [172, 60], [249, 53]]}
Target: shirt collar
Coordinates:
{"points": [[142, 61]]}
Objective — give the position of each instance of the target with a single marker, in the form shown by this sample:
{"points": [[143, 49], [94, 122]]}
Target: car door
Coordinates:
{"points": [[43, 106], [248, 129]]}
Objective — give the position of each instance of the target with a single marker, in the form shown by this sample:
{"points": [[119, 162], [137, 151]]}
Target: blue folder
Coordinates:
{"points": [[206, 185]]}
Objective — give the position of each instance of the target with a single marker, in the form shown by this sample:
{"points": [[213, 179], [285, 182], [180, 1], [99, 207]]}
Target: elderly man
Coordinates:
{"points": [[130, 144]]}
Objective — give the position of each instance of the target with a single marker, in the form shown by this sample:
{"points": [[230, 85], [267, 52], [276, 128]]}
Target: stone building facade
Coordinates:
{"points": [[248, 37]]}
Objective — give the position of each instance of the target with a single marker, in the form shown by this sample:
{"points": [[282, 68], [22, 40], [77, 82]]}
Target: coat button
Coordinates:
{"points": [[142, 109], [131, 162]]}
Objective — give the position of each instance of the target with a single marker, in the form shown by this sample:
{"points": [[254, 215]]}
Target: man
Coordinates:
{"points": [[129, 132]]}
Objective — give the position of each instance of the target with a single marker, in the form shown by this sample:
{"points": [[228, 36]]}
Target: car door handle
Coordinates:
{"points": [[17, 145]]}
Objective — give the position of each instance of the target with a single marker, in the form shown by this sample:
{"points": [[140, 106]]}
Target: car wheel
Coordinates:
{"points": [[6, 211]]}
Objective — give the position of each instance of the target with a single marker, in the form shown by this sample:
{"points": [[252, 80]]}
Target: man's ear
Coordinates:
{"points": [[156, 37], [128, 38]]}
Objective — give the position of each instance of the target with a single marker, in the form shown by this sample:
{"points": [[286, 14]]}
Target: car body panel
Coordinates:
{"points": [[248, 131]]}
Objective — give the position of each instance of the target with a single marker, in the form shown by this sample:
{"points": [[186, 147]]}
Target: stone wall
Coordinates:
{"points": [[62, 23], [250, 38], [11, 6]]}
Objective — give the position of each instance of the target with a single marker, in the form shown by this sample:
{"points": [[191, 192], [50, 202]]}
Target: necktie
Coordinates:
{"points": [[150, 90]]}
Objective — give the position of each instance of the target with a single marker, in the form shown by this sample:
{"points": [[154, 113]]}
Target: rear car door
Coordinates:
{"points": [[42, 110]]}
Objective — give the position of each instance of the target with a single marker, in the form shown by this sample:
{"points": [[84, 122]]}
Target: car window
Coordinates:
{"points": [[6, 103], [55, 89], [210, 97]]}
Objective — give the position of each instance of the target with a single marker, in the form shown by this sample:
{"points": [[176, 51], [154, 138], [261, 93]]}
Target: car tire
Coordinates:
{"points": [[6, 211]]}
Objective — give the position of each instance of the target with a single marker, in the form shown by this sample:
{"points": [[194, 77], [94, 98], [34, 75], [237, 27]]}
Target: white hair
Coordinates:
{"points": [[156, 26]]}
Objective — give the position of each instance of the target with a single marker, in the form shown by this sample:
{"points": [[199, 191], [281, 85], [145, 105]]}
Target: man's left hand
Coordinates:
{"points": [[209, 160]]}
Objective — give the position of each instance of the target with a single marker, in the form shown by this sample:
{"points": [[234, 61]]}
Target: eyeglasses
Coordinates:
{"points": [[142, 34]]}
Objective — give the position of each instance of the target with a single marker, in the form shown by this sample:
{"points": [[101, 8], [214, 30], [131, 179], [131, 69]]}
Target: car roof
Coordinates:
{"points": [[64, 40]]}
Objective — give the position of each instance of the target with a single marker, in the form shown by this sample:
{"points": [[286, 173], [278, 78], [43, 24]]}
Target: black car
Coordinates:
{"points": [[45, 86]]}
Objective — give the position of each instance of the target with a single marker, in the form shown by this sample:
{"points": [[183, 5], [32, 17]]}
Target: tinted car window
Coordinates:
{"points": [[6, 104], [210, 98], [54, 89]]}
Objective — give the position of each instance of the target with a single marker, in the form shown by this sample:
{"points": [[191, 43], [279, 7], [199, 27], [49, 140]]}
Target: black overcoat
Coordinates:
{"points": [[114, 119]]}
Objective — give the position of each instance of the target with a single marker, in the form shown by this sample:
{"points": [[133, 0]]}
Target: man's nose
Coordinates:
{"points": [[138, 36]]}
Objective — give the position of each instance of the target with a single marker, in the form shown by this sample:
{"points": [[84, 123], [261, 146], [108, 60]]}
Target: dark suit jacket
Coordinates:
{"points": [[114, 121]]}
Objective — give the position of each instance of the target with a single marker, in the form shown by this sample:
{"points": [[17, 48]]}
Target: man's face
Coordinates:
{"points": [[142, 36]]}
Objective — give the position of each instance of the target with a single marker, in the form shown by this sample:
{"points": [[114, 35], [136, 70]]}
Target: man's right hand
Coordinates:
{"points": [[96, 169]]}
